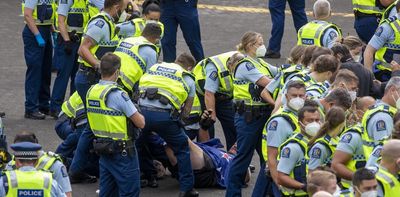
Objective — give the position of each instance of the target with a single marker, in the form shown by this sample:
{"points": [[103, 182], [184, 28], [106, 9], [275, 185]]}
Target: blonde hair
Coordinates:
{"points": [[248, 39], [296, 54], [352, 42], [317, 179], [233, 61]]}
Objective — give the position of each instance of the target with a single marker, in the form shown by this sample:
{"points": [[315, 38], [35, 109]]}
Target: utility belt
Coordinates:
{"points": [[109, 147], [78, 122], [92, 75], [251, 112], [359, 14], [222, 97], [152, 94]]}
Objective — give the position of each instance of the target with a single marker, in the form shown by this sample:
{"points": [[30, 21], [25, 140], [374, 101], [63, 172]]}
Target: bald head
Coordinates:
{"points": [[322, 194], [322, 9], [390, 151], [364, 103]]}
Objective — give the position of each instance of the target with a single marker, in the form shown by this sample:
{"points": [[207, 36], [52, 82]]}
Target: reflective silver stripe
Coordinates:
{"points": [[105, 91], [126, 79], [132, 55], [109, 134], [222, 68], [46, 180], [386, 178], [196, 108], [320, 30], [366, 7], [396, 24], [70, 108], [13, 179], [43, 162], [78, 10]]}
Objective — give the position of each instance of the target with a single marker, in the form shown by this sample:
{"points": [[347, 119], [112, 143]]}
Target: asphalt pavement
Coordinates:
{"points": [[222, 24]]}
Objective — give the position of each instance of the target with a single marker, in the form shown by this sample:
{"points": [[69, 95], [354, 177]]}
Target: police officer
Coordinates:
{"points": [[277, 130], [292, 156], [183, 13], [215, 89], [48, 161], [250, 76], [135, 27], [73, 16], [26, 180], [100, 37], [109, 112], [339, 97], [377, 120], [319, 32], [166, 95], [367, 14], [277, 9], [137, 55], [383, 47], [38, 52], [349, 155], [364, 184], [323, 145], [389, 169]]}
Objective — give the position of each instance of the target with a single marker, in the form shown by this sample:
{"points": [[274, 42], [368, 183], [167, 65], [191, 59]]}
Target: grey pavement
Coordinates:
{"points": [[221, 31]]}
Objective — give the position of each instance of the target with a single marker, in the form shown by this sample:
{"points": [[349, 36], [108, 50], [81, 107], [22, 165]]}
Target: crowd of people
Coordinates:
{"points": [[325, 123]]}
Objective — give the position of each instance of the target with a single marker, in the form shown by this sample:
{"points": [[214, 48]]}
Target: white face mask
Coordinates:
{"points": [[372, 193], [353, 95], [261, 50], [122, 17], [296, 103], [312, 128], [151, 21]]}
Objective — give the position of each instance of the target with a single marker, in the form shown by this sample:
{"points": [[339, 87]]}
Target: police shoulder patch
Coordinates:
{"points": [[377, 152], [285, 152], [380, 125], [379, 31], [316, 153], [273, 125], [333, 35], [125, 96], [99, 23], [249, 66], [213, 75], [346, 138], [64, 172]]}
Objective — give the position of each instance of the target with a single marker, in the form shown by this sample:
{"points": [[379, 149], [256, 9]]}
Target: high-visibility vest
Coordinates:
{"points": [[286, 72], [29, 183], [105, 122], [168, 79], [140, 23], [330, 143], [133, 66], [366, 6], [224, 76], [78, 16], [385, 54], [312, 32], [246, 91], [102, 47], [43, 14], [73, 105], [390, 184], [300, 171]]}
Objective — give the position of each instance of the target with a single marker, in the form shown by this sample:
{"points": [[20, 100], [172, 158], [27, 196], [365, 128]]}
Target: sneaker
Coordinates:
{"points": [[35, 115]]}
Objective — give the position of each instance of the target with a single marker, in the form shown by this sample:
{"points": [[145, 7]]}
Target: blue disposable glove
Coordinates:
{"points": [[39, 40]]}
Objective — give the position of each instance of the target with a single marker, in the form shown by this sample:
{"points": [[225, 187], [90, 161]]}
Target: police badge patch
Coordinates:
{"points": [[346, 138], [99, 23], [125, 96], [380, 125], [285, 152], [213, 75], [379, 31], [273, 125], [249, 66], [316, 153]]}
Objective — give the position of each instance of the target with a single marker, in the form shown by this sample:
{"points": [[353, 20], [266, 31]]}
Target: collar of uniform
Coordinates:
{"points": [[108, 15], [104, 82], [380, 102], [40, 153], [287, 108], [27, 168]]}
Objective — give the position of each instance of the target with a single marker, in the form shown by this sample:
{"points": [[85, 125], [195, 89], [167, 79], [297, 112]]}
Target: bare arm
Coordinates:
{"points": [[278, 103], [187, 108], [267, 97], [263, 81], [68, 194], [272, 162], [84, 52], [63, 27], [369, 56], [286, 181], [339, 161], [29, 21], [209, 99], [138, 120]]}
